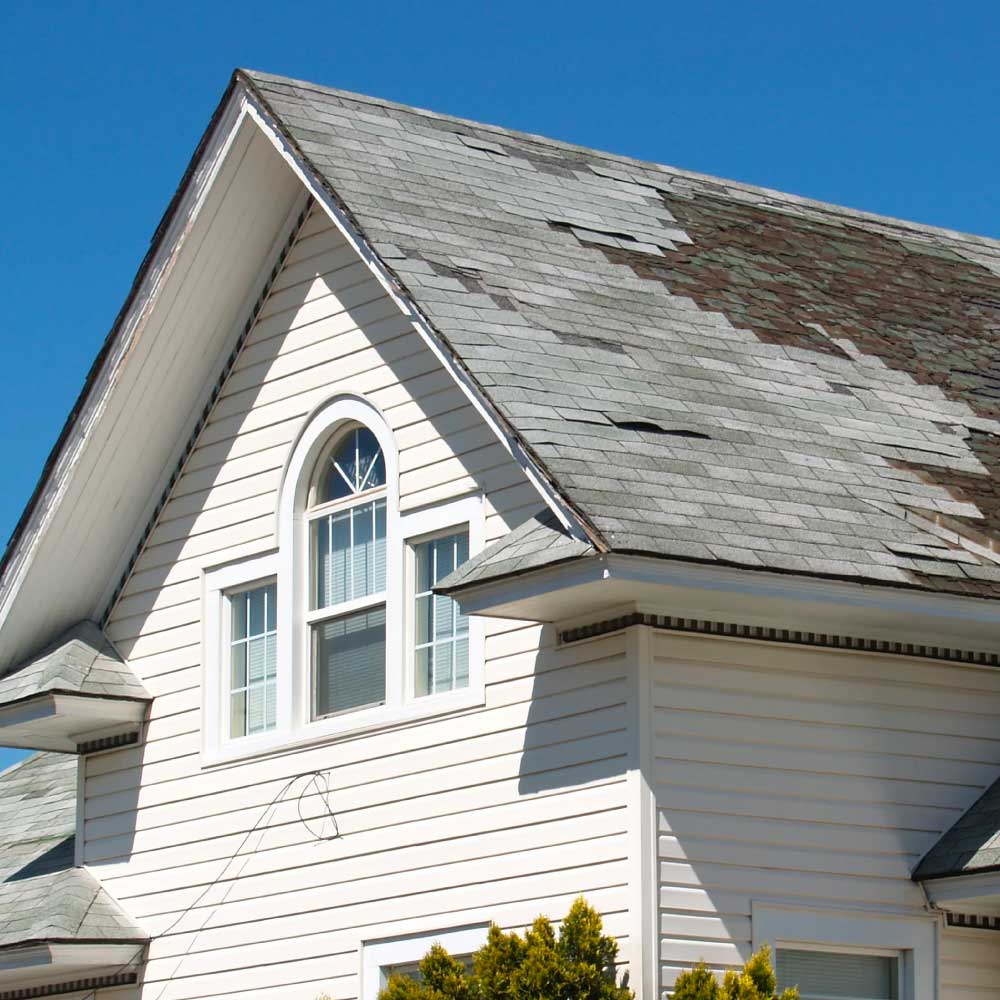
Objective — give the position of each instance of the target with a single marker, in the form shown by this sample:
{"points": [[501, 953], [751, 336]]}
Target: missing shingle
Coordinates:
{"points": [[651, 427], [503, 302], [842, 388], [609, 239], [588, 340], [483, 145], [467, 277]]}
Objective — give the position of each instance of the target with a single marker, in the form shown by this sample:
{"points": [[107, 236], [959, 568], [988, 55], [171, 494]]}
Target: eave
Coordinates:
{"points": [[973, 892], [577, 590], [70, 722], [45, 965]]}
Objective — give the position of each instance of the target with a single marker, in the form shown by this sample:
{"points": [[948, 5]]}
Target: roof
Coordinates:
{"points": [[704, 370], [42, 896], [81, 661], [971, 846], [539, 541]]}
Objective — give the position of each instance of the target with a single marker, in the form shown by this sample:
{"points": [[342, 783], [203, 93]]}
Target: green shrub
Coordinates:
{"points": [[576, 964], [756, 981]]}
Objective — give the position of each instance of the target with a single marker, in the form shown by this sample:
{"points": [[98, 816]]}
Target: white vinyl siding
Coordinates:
{"points": [[788, 773], [501, 812], [970, 964]]}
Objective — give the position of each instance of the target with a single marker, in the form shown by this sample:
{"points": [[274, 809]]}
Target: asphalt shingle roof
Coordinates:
{"points": [[705, 370], [972, 845], [540, 541], [42, 896], [80, 661]]}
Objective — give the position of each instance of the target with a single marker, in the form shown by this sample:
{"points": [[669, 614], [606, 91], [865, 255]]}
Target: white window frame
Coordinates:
{"points": [[910, 937], [218, 584], [289, 566], [378, 955], [420, 526]]}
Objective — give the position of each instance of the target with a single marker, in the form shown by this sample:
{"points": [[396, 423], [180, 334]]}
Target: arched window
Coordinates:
{"points": [[346, 516]]}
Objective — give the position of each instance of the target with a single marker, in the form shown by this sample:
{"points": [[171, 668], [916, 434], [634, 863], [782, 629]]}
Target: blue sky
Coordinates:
{"points": [[887, 106]]}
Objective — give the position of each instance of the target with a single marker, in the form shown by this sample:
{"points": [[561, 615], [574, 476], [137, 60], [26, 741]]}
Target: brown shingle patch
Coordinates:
{"points": [[801, 283]]}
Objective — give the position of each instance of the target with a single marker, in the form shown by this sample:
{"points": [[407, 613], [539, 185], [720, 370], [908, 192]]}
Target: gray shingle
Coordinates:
{"points": [[971, 845], [42, 896], [80, 661], [839, 364]]}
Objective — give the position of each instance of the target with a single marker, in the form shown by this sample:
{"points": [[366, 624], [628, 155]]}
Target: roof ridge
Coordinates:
{"points": [[829, 207]]}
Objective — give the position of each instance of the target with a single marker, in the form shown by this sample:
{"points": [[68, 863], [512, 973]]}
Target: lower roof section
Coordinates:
{"points": [[77, 694], [58, 922]]}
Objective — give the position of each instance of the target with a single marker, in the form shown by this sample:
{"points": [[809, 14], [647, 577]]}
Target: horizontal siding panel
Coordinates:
{"points": [[806, 775]]}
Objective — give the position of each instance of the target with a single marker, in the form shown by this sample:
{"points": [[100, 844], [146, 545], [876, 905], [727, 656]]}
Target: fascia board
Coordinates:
{"points": [[745, 596], [975, 890]]}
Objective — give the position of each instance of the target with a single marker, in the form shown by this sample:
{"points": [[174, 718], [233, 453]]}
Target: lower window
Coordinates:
{"points": [[401, 955], [823, 974], [349, 662]]}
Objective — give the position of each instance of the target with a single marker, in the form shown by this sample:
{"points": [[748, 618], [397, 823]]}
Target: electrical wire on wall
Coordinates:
{"points": [[314, 782]]}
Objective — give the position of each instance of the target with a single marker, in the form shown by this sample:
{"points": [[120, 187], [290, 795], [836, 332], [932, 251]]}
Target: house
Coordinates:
{"points": [[456, 521]]}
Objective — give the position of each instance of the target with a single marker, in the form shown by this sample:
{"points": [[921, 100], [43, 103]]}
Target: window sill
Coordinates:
{"points": [[349, 725]]}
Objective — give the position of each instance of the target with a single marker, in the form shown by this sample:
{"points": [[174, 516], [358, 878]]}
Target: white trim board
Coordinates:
{"points": [[913, 938], [377, 955]]}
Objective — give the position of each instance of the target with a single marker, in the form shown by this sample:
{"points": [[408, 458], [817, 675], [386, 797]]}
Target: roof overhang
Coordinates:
{"points": [[110, 468], [68, 722], [975, 892], [580, 589], [109, 472], [39, 964]]}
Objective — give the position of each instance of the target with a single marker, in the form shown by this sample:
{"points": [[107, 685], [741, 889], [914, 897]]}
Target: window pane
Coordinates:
{"points": [[349, 666], [253, 658], [239, 662], [238, 714], [239, 605], [349, 551], [833, 974], [441, 644], [356, 464]]}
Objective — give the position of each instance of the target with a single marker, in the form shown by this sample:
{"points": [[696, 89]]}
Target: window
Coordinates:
{"points": [[402, 955], [253, 661], [441, 641], [834, 954], [336, 629], [823, 974], [347, 557]]}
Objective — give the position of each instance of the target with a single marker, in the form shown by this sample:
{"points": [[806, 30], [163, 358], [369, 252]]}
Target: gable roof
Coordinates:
{"points": [[698, 369], [705, 370], [971, 846], [42, 896], [80, 661]]}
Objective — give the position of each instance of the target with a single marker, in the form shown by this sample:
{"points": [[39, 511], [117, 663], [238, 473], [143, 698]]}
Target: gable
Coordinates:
{"points": [[326, 328]]}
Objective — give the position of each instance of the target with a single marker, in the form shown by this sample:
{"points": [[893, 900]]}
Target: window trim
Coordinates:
{"points": [[218, 584], [378, 954], [419, 526], [289, 565], [911, 937]]}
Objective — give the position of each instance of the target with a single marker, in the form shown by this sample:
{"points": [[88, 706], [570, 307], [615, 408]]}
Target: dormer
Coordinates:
{"points": [[75, 696]]}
